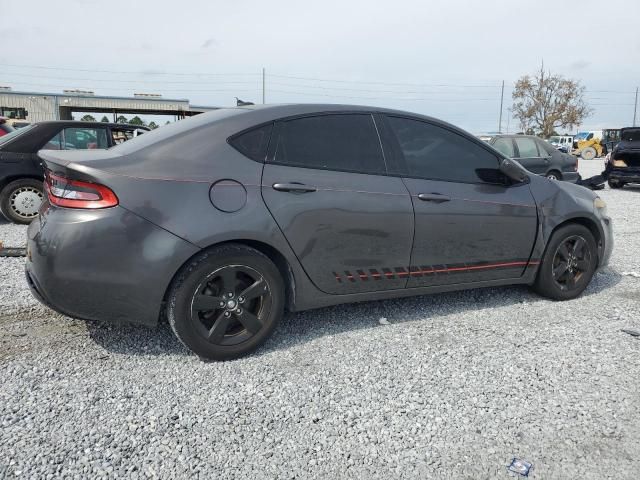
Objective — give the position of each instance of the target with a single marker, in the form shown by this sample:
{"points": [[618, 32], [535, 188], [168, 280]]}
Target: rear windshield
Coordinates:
{"points": [[163, 133], [13, 134], [631, 135]]}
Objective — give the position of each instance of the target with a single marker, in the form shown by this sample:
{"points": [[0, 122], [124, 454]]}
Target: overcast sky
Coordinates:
{"points": [[445, 59]]}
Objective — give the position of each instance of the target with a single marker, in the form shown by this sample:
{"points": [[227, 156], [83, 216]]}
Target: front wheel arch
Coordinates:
{"points": [[586, 222]]}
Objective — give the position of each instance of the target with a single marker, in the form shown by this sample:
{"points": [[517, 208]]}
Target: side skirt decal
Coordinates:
{"points": [[394, 273]]}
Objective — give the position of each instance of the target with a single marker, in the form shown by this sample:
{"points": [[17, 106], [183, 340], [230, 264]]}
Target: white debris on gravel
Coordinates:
{"points": [[464, 382]]}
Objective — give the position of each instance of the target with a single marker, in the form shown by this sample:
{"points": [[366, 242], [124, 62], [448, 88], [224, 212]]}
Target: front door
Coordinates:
{"points": [[470, 226], [326, 185]]}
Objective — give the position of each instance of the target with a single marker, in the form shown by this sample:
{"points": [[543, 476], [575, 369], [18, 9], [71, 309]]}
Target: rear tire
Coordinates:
{"points": [[20, 200], [226, 302], [589, 153], [554, 175], [615, 184], [568, 264]]}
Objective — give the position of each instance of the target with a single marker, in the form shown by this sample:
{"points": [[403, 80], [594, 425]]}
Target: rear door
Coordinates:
{"points": [[348, 222], [470, 224], [528, 155]]}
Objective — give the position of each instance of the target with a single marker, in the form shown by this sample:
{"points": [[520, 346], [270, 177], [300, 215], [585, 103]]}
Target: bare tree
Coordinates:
{"points": [[545, 102]]}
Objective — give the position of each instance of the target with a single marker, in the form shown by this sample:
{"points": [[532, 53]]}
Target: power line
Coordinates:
{"points": [[109, 80], [43, 67]]}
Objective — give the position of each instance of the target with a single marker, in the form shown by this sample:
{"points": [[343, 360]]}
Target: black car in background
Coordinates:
{"points": [[21, 172], [624, 165], [538, 156]]}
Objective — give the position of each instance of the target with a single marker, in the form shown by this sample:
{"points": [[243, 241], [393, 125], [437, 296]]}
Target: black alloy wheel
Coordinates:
{"points": [[226, 302], [571, 261], [231, 305], [568, 264]]}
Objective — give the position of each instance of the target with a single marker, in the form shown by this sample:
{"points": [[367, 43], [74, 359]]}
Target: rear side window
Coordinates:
{"points": [[85, 138], [526, 147], [347, 142], [254, 143], [504, 146], [436, 153]]}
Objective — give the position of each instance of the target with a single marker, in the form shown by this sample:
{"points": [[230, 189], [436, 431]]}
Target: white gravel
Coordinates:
{"points": [[453, 386], [12, 235]]}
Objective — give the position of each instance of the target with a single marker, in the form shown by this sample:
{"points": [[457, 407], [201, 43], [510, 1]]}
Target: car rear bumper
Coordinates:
{"points": [[571, 177], [625, 175], [105, 264]]}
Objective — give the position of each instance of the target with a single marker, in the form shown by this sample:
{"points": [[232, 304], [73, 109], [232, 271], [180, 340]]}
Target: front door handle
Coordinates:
{"points": [[294, 187], [434, 197]]}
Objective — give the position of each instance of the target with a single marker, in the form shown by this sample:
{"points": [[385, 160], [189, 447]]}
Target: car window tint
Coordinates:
{"points": [[254, 143], [336, 142], [545, 148], [526, 147], [437, 153], [85, 138], [504, 146], [54, 143]]}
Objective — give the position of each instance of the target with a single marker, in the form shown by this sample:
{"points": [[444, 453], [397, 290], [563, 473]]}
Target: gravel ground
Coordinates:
{"points": [[11, 234], [455, 386]]}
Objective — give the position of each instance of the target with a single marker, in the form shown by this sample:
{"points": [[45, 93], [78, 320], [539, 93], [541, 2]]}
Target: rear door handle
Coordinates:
{"points": [[434, 197], [294, 187]]}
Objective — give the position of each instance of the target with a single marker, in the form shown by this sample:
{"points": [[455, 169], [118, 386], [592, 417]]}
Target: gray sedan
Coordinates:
{"points": [[224, 220]]}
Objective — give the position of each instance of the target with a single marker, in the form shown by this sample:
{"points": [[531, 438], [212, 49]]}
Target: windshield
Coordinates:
{"points": [[582, 135], [554, 140], [10, 136], [631, 135]]}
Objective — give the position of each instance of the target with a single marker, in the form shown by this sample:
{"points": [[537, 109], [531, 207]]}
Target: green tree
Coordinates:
{"points": [[136, 121], [545, 102], [153, 125], [122, 119], [88, 118], [105, 119]]}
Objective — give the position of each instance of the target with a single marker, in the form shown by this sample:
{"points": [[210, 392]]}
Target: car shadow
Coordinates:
{"points": [[303, 327]]}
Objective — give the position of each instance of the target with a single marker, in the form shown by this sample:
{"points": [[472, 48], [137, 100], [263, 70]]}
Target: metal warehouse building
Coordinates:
{"points": [[36, 107]]}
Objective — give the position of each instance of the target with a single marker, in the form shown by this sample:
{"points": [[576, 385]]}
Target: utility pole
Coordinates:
{"points": [[501, 102], [263, 86], [635, 108]]}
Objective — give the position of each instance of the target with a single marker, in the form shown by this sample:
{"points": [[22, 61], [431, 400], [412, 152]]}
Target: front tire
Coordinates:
{"points": [[615, 184], [568, 264], [20, 200], [554, 175], [226, 302], [589, 153]]}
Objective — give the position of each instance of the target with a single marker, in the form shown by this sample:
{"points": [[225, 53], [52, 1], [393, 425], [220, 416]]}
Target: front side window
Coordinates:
{"points": [[85, 138], [526, 147], [347, 142], [436, 153], [504, 146]]}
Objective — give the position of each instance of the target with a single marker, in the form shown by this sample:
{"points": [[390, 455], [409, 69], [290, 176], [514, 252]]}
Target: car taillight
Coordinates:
{"points": [[576, 165], [64, 192]]}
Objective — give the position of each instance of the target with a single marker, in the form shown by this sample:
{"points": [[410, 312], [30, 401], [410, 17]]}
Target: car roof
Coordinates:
{"points": [[233, 120], [81, 123], [517, 135]]}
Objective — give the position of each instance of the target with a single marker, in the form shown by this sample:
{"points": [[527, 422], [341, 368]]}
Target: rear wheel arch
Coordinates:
{"points": [[11, 178], [269, 251]]}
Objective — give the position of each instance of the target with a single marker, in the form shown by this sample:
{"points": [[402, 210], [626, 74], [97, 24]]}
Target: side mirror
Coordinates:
{"points": [[513, 170]]}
